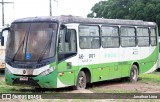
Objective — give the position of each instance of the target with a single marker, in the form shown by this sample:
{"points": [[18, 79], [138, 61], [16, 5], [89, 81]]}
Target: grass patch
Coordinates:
{"points": [[150, 78], [4, 88], [9, 89]]}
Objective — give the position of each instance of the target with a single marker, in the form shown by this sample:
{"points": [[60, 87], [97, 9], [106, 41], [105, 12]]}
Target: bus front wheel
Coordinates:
{"points": [[81, 81], [133, 74]]}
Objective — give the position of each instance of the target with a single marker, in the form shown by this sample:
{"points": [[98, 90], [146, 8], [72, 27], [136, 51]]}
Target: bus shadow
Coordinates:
{"points": [[46, 90]]}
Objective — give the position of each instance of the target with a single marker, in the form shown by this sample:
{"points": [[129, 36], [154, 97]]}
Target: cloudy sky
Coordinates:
{"points": [[31, 8]]}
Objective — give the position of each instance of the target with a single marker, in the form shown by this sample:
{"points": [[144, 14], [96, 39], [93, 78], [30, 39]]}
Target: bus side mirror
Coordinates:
{"points": [[2, 36], [2, 40]]}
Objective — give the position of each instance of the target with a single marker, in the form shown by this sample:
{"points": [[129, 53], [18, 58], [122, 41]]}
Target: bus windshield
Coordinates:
{"points": [[31, 42]]}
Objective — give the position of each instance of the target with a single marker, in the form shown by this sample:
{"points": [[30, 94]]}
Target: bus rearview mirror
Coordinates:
{"points": [[2, 36], [2, 40]]}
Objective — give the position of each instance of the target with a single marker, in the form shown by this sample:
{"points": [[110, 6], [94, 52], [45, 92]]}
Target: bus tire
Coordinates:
{"points": [[81, 81], [133, 74]]}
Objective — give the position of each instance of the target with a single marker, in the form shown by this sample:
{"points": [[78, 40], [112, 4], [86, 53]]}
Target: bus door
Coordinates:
{"points": [[66, 50]]}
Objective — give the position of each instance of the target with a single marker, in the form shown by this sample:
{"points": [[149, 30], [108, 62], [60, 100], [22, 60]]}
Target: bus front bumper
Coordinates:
{"points": [[39, 81]]}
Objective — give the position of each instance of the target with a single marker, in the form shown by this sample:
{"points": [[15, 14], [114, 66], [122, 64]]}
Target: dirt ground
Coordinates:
{"points": [[133, 87]]}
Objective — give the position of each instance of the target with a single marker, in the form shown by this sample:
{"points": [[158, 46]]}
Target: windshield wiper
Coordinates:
{"points": [[45, 49], [21, 44]]}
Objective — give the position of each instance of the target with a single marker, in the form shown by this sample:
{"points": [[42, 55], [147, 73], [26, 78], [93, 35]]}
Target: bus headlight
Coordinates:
{"points": [[48, 71]]}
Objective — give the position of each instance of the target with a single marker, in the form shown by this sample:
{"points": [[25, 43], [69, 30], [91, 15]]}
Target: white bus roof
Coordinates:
{"points": [[77, 19]]}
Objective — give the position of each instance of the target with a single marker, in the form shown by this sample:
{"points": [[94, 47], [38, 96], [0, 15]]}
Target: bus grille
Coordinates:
{"points": [[30, 82], [27, 66]]}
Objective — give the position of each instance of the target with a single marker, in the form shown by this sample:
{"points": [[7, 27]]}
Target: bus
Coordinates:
{"points": [[63, 51], [2, 48]]}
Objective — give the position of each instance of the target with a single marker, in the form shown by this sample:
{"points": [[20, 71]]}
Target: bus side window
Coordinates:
{"points": [[89, 37], [61, 41], [67, 44], [70, 39]]}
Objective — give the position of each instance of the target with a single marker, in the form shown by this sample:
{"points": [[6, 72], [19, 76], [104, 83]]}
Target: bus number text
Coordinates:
{"points": [[81, 56], [91, 55]]}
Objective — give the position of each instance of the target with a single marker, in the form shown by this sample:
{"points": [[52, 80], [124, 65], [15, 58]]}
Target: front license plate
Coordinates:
{"points": [[24, 78]]}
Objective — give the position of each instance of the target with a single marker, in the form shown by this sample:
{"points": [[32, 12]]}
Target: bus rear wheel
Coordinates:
{"points": [[81, 81], [133, 74]]}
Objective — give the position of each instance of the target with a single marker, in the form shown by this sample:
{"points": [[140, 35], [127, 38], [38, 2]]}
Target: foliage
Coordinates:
{"points": [[147, 10]]}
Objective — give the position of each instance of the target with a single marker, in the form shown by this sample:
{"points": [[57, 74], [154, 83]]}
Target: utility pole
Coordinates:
{"points": [[3, 10], [50, 7]]}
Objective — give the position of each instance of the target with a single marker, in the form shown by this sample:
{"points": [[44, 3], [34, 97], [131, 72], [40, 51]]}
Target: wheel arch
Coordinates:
{"points": [[137, 64], [87, 72]]}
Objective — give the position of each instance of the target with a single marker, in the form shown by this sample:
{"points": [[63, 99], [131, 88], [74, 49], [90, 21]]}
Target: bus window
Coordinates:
{"points": [[128, 37], [143, 36], [67, 43], [89, 37], [153, 36], [61, 40], [110, 37], [70, 40]]}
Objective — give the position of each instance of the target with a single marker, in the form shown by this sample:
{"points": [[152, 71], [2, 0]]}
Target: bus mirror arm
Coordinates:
{"points": [[8, 28]]}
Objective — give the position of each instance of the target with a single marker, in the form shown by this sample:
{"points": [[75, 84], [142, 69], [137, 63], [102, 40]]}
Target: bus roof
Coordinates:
{"points": [[77, 19]]}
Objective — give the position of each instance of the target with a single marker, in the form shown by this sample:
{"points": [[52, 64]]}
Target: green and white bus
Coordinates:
{"points": [[62, 51]]}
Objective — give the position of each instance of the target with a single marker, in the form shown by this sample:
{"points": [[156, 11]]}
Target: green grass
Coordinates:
{"points": [[4, 87], [8, 89], [150, 78]]}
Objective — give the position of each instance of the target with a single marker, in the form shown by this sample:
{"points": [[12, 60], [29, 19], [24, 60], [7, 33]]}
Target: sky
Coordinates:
{"points": [[32, 8]]}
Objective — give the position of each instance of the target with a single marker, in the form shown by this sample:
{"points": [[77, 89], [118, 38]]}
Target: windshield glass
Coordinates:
{"points": [[31, 41]]}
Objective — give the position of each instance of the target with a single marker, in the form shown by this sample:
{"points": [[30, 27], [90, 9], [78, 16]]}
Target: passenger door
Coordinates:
{"points": [[66, 50]]}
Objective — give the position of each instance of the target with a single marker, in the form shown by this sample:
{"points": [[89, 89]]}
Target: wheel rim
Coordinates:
{"points": [[134, 74], [81, 82]]}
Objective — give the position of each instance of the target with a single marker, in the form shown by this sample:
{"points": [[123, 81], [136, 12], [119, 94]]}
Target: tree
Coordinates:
{"points": [[147, 10], [111, 9]]}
